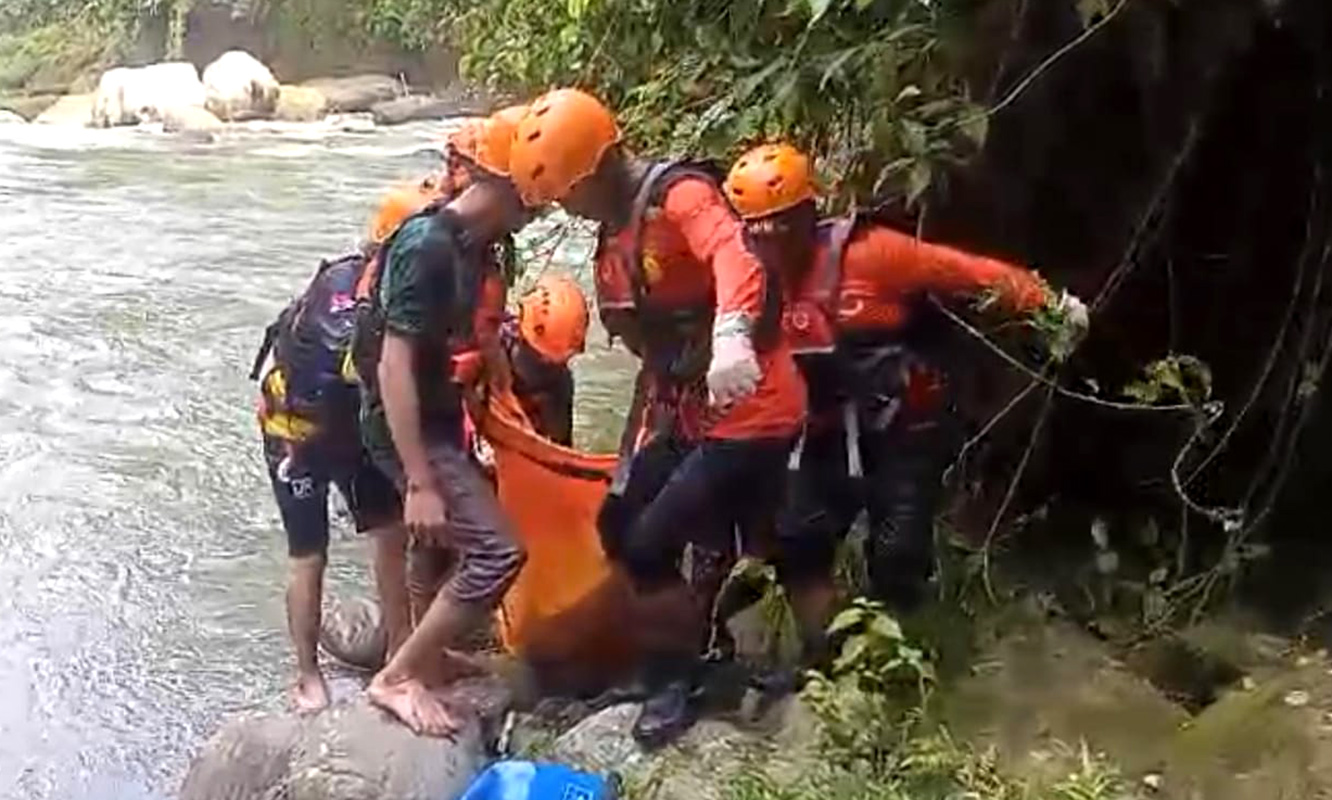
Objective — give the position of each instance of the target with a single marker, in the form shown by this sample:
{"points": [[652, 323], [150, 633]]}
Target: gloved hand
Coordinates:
{"points": [[733, 372], [1074, 320]]}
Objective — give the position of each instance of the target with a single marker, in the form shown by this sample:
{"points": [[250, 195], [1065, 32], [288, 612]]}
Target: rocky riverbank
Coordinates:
{"points": [[236, 87], [1038, 708]]}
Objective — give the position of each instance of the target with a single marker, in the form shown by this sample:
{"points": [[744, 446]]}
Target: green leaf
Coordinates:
{"points": [[976, 127], [817, 8], [914, 137], [862, 5], [918, 181], [1091, 10], [834, 67], [852, 652], [846, 620], [886, 627]]}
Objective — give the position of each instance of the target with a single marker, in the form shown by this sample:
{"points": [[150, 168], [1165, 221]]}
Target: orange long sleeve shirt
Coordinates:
{"points": [[694, 254], [883, 270]]}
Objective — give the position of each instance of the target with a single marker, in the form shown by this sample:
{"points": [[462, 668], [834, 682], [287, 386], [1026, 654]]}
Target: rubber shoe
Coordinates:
{"points": [[666, 714]]}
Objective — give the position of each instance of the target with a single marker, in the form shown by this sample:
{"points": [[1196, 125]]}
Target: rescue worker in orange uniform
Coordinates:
{"points": [[718, 393], [880, 430]]}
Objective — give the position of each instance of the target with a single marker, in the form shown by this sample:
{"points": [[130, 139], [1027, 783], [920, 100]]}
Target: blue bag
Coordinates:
{"points": [[527, 780]]}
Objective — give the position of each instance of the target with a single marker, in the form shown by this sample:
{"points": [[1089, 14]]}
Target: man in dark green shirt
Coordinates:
{"points": [[428, 291]]}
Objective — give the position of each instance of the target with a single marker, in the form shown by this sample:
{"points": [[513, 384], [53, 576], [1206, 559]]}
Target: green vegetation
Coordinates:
{"points": [[879, 743]]}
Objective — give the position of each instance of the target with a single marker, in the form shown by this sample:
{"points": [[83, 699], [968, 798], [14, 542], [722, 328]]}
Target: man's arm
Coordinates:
{"points": [[917, 265]]}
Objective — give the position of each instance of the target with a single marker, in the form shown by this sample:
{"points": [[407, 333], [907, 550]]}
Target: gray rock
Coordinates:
{"points": [[418, 107], [352, 631], [782, 743], [300, 104], [10, 118], [190, 120], [249, 758], [352, 751], [30, 106], [74, 109], [357, 93], [357, 752]]}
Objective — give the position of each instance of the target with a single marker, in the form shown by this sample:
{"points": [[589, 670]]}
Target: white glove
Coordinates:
{"points": [[1074, 319], [734, 371]]}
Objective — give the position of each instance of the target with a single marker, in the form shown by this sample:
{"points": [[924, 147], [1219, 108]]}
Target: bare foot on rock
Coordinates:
{"points": [[421, 710], [310, 694]]}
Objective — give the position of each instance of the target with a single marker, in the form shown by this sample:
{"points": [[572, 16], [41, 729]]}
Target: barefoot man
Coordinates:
{"points": [[423, 297]]}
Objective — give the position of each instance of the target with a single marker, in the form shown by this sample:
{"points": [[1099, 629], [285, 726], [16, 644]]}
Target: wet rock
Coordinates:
{"points": [[74, 109], [418, 107], [191, 121], [29, 106], [300, 104], [237, 86], [128, 96], [351, 123], [357, 93], [248, 758], [352, 751], [782, 744], [10, 118], [357, 752], [352, 631]]}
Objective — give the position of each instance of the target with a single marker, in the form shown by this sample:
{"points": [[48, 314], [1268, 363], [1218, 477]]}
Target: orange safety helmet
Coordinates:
{"points": [[552, 318], [559, 143], [400, 203], [485, 143], [768, 180]]}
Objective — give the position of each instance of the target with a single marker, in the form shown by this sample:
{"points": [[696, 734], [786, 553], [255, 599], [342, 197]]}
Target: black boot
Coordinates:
{"points": [[670, 710]]}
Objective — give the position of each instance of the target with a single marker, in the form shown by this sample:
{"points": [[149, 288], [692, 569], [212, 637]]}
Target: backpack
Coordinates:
{"points": [[310, 339], [458, 292]]}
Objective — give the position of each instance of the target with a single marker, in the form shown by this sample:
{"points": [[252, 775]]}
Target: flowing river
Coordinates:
{"points": [[141, 559]]}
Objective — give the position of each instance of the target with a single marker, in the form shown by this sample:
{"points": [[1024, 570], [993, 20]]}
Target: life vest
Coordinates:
{"points": [[455, 298], [673, 340], [810, 316], [310, 341]]}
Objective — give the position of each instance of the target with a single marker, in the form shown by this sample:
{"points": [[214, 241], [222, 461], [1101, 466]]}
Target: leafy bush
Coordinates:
{"points": [[867, 84]]}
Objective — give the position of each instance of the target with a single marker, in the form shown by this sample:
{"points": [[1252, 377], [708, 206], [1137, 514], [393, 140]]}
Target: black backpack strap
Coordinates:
{"points": [[265, 347]]}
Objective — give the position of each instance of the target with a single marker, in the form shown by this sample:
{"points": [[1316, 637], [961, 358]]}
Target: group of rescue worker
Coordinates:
{"points": [[782, 391]]}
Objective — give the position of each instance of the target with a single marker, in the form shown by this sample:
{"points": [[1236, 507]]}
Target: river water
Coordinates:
{"points": [[141, 558]]}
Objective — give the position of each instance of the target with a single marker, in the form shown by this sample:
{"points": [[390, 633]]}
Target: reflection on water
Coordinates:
{"points": [[140, 555]]}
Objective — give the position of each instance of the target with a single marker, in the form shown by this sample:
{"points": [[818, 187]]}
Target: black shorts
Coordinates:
{"points": [[300, 480], [678, 494]]}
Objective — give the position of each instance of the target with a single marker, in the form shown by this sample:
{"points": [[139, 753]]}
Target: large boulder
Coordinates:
{"points": [[352, 751], [357, 93], [74, 109], [128, 96], [237, 86], [417, 107], [300, 104]]}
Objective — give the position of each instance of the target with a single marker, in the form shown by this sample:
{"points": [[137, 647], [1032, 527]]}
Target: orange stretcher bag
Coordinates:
{"points": [[568, 608]]}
